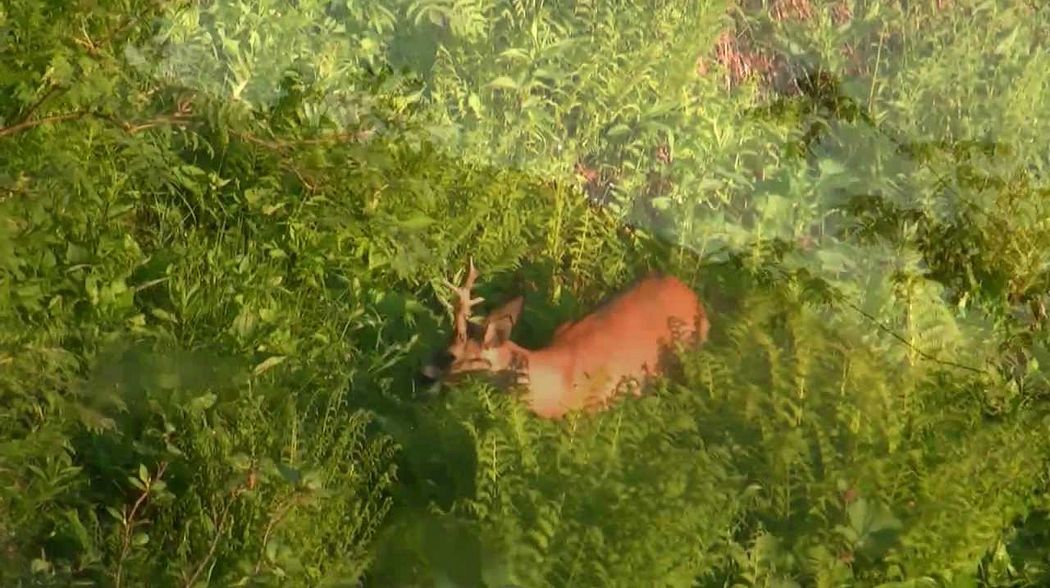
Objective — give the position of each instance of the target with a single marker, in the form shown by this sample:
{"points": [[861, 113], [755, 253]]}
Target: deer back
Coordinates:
{"points": [[620, 346]]}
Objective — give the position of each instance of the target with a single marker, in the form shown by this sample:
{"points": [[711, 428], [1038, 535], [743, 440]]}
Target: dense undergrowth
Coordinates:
{"points": [[223, 227]]}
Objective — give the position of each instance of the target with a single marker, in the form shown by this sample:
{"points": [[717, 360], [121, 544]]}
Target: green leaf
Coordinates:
{"points": [[474, 101], [831, 167], [661, 203], [313, 480], [417, 222], [515, 54], [503, 83], [872, 526], [61, 71], [290, 474], [162, 314], [240, 461], [269, 363], [1008, 42], [202, 403]]}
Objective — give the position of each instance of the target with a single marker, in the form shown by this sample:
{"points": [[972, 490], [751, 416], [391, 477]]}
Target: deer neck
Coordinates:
{"points": [[546, 376]]}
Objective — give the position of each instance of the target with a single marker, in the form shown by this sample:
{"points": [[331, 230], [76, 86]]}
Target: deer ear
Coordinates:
{"points": [[500, 322]]}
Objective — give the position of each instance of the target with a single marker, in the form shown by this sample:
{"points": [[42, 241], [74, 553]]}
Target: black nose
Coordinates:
{"points": [[442, 359], [438, 365]]}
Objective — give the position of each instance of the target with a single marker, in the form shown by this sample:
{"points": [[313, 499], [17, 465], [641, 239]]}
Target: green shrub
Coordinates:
{"points": [[223, 227]]}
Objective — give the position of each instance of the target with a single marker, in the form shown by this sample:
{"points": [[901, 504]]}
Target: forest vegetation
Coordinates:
{"points": [[225, 224]]}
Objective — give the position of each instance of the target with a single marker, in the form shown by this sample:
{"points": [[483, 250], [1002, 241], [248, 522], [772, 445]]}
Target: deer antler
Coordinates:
{"points": [[465, 302]]}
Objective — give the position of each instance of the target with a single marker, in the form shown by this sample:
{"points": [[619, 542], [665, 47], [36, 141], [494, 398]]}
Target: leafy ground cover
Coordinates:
{"points": [[223, 227]]}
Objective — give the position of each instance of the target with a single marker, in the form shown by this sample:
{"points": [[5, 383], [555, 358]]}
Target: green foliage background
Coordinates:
{"points": [[223, 226]]}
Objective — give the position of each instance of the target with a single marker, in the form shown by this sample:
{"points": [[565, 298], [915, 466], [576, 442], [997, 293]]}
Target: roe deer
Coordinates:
{"points": [[625, 341]]}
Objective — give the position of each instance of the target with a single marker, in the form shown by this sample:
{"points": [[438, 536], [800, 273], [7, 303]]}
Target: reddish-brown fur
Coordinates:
{"points": [[622, 342]]}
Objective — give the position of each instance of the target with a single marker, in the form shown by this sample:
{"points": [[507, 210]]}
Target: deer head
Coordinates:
{"points": [[477, 349]]}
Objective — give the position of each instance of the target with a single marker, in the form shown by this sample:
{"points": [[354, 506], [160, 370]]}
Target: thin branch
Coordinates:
{"points": [[310, 185], [282, 511], [129, 523], [34, 106], [179, 119], [282, 148], [94, 49], [277, 145], [925, 355], [220, 527], [6, 193], [25, 125], [246, 486]]}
